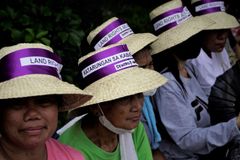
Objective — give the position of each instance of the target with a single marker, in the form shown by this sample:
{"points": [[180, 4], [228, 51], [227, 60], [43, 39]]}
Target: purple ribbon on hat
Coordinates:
{"points": [[105, 63], [112, 33], [170, 19], [208, 6], [29, 61]]}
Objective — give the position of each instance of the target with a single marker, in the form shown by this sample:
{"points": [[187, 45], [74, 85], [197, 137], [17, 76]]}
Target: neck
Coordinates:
{"points": [[182, 70], [100, 135], [12, 152]]}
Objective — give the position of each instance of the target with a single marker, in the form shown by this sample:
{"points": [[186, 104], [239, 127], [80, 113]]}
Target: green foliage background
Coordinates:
{"points": [[64, 25]]}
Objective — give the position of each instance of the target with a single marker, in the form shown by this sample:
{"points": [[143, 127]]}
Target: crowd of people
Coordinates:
{"points": [[169, 95]]}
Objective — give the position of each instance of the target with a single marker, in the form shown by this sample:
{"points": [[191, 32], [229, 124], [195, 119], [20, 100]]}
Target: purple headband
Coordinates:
{"points": [[208, 6], [29, 61], [112, 33], [170, 19], [104, 63]]}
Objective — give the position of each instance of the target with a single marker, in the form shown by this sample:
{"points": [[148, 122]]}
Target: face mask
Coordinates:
{"points": [[127, 149], [150, 92], [106, 123]]}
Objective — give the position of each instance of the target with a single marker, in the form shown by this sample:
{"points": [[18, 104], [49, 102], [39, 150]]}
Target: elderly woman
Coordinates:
{"points": [[111, 129], [31, 93], [118, 31]]}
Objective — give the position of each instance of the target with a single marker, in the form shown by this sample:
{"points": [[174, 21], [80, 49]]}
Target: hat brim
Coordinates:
{"points": [[180, 33], [127, 82], [138, 41], [39, 85], [222, 21]]}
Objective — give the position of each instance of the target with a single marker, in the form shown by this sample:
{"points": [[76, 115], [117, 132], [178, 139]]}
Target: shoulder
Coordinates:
{"points": [[141, 143], [198, 60], [57, 150], [139, 133], [172, 84], [171, 79], [69, 135], [139, 128]]}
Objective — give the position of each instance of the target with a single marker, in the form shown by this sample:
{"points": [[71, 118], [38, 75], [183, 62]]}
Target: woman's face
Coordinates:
{"points": [[28, 122], [125, 112], [143, 58], [214, 40]]}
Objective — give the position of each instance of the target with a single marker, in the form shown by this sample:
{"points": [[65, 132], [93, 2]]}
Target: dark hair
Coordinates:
{"points": [[166, 60], [78, 112]]}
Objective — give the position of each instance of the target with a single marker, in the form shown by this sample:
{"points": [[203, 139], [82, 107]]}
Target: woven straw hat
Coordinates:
{"points": [[32, 69], [214, 10], [174, 24], [118, 75], [115, 30]]}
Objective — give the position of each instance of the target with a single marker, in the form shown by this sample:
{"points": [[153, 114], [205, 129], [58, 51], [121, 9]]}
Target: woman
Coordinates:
{"points": [[111, 129], [213, 59], [120, 32], [181, 102], [31, 93]]}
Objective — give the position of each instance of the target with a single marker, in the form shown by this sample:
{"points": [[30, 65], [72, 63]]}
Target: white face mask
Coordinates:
{"points": [[150, 92], [106, 123], [127, 149]]}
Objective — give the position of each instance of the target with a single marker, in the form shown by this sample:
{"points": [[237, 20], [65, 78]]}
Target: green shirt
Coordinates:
{"points": [[75, 137]]}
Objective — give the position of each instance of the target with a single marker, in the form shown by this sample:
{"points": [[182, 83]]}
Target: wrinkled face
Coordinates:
{"points": [[214, 40], [124, 112], [28, 122], [143, 58]]}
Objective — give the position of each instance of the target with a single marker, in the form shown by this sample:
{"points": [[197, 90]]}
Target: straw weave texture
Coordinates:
{"points": [[123, 83], [135, 42], [222, 21], [6, 50], [164, 8], [40, 84], [179, 33]]}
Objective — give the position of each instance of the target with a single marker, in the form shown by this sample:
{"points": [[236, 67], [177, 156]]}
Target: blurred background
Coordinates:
{"points": [[64, 24]]}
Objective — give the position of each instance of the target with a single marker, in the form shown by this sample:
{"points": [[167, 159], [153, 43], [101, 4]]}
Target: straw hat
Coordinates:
{"points": [[174, 24], [111, 73], [214, 10], [28, 70], [115, 30]]}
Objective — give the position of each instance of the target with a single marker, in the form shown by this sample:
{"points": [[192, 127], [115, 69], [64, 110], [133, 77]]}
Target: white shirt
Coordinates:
{"points": [[207, 69]]}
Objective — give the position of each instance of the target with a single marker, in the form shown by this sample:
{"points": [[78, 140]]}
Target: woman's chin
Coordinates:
{"points": [[219, 50]]}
